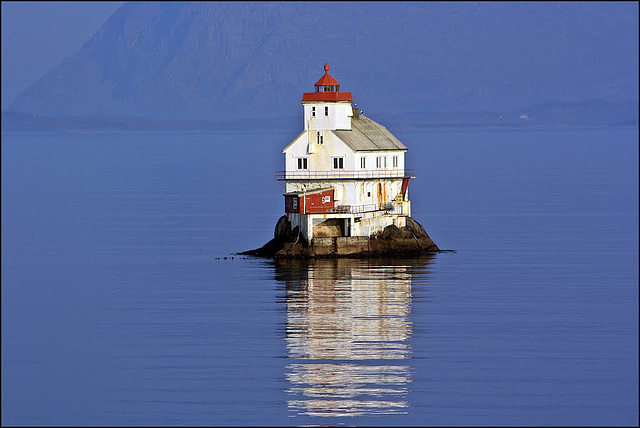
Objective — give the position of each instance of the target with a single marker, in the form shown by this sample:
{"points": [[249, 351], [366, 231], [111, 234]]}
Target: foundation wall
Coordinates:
{"points": [[324, 246], [352, 244]]}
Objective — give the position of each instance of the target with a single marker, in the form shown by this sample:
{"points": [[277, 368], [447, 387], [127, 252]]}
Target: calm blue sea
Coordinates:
{"points": [[119, 307]]}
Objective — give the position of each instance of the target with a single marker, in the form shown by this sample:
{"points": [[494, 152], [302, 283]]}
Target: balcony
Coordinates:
{"points": [[343, 209], [391, 207], [341, 174]]}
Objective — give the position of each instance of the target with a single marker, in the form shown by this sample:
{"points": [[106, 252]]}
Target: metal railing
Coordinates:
{"points": [[344, 174], [355, 209], [343, 209]]}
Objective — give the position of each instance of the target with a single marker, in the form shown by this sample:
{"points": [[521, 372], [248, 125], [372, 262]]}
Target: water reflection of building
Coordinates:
{"points": [[348, 327]]}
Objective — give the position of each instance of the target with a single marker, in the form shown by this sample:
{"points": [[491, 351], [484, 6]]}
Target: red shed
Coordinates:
{"points": [[314, 201]]}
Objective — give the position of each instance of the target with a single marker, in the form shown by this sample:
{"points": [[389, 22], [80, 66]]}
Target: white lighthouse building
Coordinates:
{"points": [[345, 174]]}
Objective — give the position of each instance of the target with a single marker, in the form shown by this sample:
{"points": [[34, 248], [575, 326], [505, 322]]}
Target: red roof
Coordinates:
{"points": [[321, 95], [327, 79], [327, 96]]}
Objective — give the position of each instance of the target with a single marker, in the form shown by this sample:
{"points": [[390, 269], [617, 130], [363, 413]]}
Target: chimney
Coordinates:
{"points": [[354, 109]]}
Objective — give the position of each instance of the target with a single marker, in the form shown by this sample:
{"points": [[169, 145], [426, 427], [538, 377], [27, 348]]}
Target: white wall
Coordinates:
{"points": [[319, 156], [339, 116], [370, 159], [320, 159]]}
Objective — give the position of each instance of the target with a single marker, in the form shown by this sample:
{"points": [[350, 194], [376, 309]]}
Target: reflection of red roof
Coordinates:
{"points": [[327, 96], [327, 79]]}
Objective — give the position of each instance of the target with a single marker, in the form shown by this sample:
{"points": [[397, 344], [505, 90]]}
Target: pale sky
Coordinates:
{"points": [[37, 36]]}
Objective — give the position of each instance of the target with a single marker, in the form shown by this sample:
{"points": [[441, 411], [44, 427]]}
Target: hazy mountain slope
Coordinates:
{"points": [[219, 60]]}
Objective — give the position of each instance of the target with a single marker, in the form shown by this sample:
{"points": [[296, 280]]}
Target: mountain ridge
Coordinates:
{"points": [[215, 61]]}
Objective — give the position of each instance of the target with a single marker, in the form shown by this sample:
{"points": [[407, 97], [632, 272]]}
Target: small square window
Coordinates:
{"points": [[302, 163], [338, 163], [313, 111]]}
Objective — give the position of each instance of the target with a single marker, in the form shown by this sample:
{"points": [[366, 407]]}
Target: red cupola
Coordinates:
{"points": [[327, 89], [327, 82]]}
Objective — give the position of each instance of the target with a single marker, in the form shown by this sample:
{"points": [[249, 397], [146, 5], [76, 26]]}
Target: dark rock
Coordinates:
{"points": [[282, 235], [391, 242], [267, 250], [293, 250], [390, 232], [417, 229], [394, 232], [283, 230]]}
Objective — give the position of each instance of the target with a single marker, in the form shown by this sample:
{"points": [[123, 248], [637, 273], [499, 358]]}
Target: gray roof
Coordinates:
{"points": [[367, 135]]}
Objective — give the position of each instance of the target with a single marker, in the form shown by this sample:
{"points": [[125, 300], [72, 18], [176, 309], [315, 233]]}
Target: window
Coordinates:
{"points": [[338, 163], [395, 161], [363, 162], [302, 163], [379, 162], [319, 137], [326, 111], [313, 111]]}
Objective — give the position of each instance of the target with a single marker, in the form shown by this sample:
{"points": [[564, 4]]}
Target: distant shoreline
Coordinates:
{"points": [[16, 123]]}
